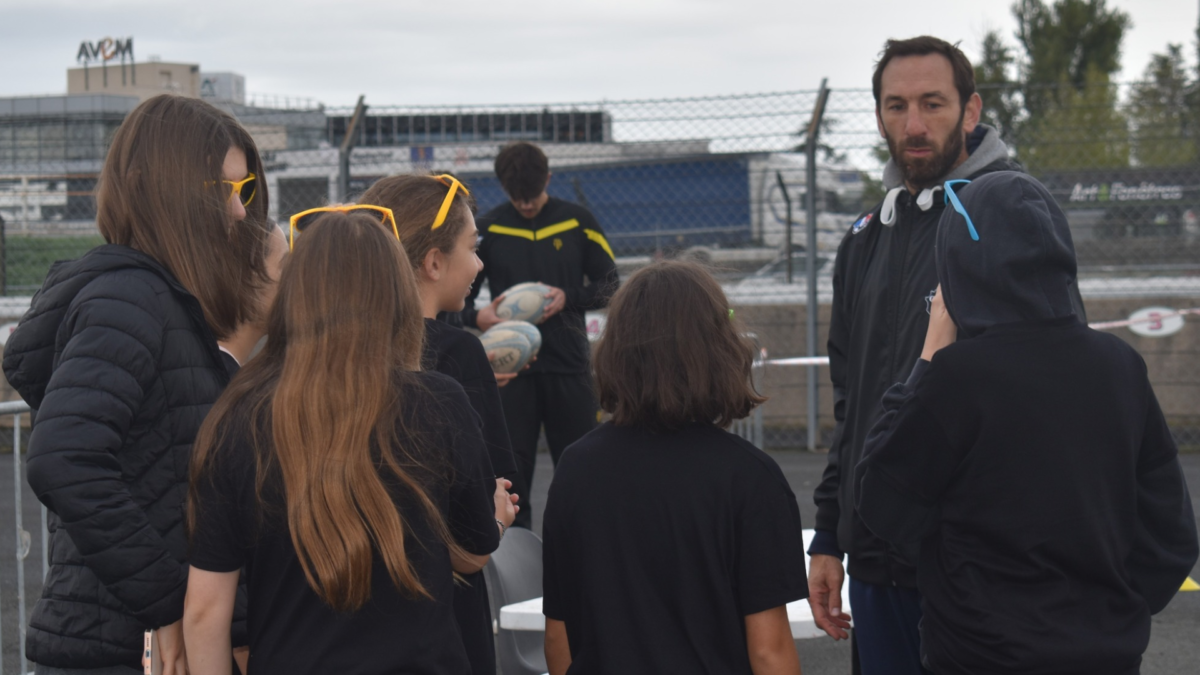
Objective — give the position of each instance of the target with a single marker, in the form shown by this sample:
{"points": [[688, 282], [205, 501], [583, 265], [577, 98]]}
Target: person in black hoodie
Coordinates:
{"points": [[118, 356], [928, 111], [1026, 466]]}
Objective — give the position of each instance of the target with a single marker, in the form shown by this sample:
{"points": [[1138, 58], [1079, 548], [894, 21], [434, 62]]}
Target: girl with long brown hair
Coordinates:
{"points": [[119, 356], [435, 220], [348, 483]]}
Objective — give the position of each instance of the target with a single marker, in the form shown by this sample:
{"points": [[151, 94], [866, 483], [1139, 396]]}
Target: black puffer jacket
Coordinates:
{"points": [[118, 361]]}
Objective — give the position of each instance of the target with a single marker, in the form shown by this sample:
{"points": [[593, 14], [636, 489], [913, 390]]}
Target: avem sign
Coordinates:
{"points": [[105, 50]]}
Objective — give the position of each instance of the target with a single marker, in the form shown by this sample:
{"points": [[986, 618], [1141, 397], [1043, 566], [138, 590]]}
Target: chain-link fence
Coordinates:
{"points": [[709, 177]]}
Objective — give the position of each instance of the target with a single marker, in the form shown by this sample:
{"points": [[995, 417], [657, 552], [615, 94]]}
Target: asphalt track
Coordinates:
{"points": [[1175, 635], [1174, 643]]}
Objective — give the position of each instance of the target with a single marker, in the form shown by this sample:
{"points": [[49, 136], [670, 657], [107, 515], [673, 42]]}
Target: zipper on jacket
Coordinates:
{"points": [[903, 231]]}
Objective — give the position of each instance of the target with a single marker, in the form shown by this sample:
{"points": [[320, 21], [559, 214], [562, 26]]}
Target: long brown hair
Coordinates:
{"points": [[344, 338], [672, 353], [414, 201], [160, 192]]}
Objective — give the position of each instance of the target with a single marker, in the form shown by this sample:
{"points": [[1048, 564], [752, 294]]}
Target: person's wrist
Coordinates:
{"points": [[502, 526]]}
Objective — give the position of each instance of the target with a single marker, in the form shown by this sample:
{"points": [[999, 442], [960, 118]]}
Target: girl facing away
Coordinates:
{"points": [[671, 545], [119, 356], [347, 482], [435, 220]]}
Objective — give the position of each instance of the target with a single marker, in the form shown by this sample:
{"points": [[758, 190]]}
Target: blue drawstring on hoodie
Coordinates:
{"points": [[953, 199]]}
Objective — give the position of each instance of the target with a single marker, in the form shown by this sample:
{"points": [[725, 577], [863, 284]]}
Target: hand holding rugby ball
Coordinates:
{"points": [[524, 302], [530, 331], [510, 347]]}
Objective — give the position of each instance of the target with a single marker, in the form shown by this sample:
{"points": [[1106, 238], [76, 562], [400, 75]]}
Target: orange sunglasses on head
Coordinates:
{"points": [[302, 220], [455, 185], [245, 188]]}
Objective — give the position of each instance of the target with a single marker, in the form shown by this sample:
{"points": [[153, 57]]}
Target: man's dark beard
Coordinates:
{"points": [[923, 173]]}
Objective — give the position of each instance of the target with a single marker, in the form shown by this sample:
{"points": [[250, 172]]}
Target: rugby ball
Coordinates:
{"points": [[510, 350], [530, 331], [524, 302]]}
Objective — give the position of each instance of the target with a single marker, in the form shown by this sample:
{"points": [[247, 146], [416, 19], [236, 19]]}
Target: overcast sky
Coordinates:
{"points": [[506, 51]]}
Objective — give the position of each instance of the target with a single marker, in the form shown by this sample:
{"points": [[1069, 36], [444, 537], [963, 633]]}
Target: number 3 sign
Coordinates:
{"points": [[1155, 322]]}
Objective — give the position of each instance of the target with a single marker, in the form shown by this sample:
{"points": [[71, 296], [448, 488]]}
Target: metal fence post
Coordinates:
{"points": [[23, 540], [3, 259], [756, 373], [810, 168], [344, 150], [787, 234]]}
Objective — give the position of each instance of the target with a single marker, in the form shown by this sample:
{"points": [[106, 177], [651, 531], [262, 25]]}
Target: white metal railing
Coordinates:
{"points": [[24, 540], [751, 427]]}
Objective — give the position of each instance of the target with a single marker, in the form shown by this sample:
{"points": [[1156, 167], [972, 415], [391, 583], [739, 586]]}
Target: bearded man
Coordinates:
{"points": [[927, 109]]}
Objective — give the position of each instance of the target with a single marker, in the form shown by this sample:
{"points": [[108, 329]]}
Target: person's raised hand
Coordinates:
{"points": [[486, 317], [825, 578], [942, 331], [558, 300]]}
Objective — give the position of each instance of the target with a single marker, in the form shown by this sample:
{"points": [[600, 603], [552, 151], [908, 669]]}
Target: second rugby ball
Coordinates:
{"points": [[510, 350], [524, 302], [530, 331]]}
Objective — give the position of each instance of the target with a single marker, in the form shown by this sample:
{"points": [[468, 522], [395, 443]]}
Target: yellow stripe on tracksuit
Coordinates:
{"points": [[557, 228], [599, 239], [551, 230], [511, 231]]}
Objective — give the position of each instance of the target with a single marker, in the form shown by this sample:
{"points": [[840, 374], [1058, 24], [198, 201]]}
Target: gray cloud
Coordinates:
{"points": [[472, 51]]}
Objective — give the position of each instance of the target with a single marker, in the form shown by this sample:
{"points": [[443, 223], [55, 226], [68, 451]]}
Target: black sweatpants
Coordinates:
{"points": [[564, 403]]}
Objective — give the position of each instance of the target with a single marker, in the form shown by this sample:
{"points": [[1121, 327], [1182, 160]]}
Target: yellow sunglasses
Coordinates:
{"points": [[455, 185], [302, 220], [240, 188]]}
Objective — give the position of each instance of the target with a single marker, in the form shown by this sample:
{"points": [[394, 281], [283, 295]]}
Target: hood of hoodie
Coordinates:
{"points": [[1023, 263], [29, 352], [983, 147]]}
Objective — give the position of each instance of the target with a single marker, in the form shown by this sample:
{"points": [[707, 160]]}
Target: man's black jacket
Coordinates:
{"points": [[118, 361], [883, 280]]}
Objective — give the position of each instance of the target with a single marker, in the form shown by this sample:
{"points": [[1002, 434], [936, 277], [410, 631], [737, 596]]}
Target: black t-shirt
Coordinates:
{"points": [[291, 630], [658, 545], [562, 246], [457, 353]]}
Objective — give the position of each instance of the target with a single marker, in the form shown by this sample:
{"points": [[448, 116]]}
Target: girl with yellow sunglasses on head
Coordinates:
{"points": [[436, 223]]}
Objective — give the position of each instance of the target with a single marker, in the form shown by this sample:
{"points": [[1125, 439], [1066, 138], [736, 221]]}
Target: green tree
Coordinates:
{"points": [[1162, 112], [1085, 129], [1072, 49], [1002, 106], [1069, 41]]}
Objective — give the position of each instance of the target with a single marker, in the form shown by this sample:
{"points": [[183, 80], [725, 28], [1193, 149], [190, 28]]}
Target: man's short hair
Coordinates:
{"points": [[964, 74], [522, 169]]}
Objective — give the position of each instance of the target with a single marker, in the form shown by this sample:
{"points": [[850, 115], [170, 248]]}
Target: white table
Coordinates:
{"points": [[528, 615]]}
